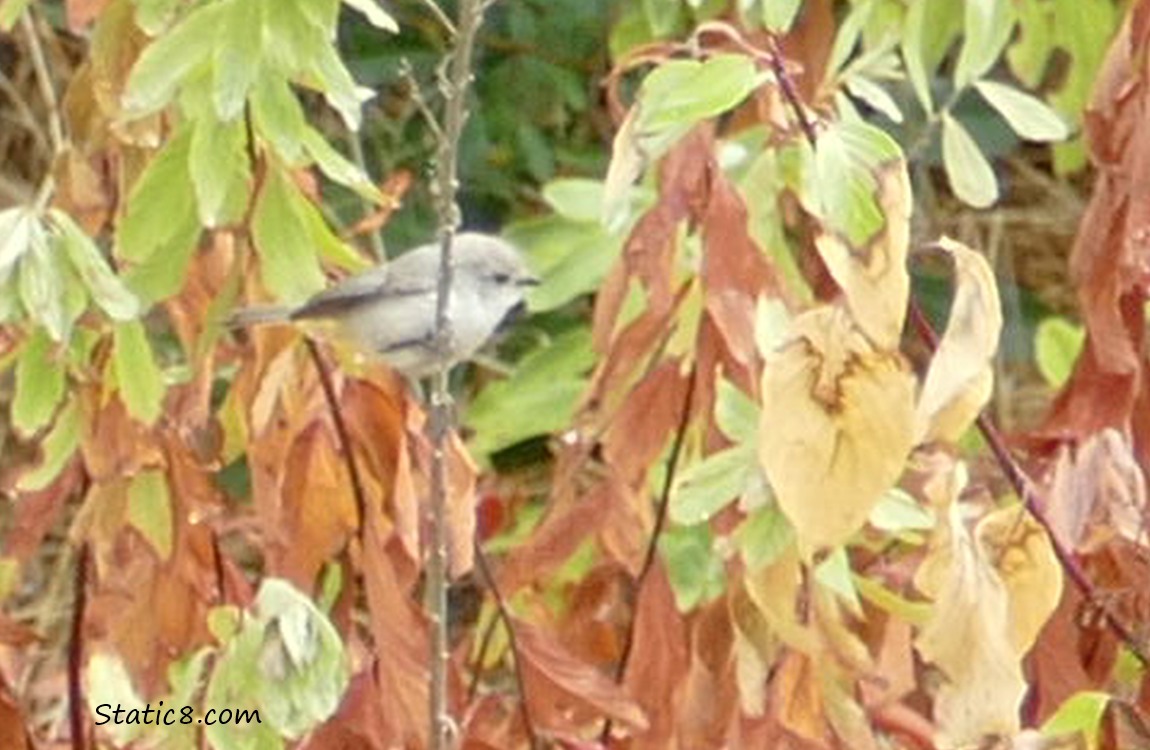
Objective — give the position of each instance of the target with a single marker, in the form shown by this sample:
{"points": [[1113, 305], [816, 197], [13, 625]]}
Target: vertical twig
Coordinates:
{"points": [[454, 82], [357, 155], [656, 534], [51, 101], [77, 725], [504, 614], [341, 431]]}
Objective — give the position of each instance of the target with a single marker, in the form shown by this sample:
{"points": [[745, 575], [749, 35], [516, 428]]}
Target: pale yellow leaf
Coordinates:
{"points": [[962, 364], [628, 160], [968, 638], [874, 278], [1025, 561], [837, 426]]}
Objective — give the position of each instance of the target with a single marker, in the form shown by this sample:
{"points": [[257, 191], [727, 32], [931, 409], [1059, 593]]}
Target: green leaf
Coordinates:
{"points": [[706, 487], [779, 15], [929, 29], [10, 12], [288, 264], [763, 536], [969, 173], [1057, 346], [139, 378], [575, 198], [1082, 714], [153, 16], [695, 571], [16, 228], [300, 44], [238, 51], [40, 381], [663, 16], [160, 202], [538, 399], [150, 509], [987, 28], [218, 167], [56, 449], [681, 93], [841, 189], [289, 657], [835, 573], [847, 36], [43, 286], [164, 64], [279, 117], [898, 511], [105, 287], [337, 168], [160, 227], [374, 14], [736, 413], [571, 257], [875, 95], [1028, 116]]}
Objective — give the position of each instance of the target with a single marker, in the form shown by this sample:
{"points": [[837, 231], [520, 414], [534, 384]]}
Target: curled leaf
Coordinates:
{"points": [[960, 374]]}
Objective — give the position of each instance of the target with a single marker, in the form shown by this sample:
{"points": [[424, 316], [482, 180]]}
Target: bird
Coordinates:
{"points": [[389, 311]]}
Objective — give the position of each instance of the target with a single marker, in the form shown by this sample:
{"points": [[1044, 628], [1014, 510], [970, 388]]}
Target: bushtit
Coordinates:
{"points": [[390, 309]]}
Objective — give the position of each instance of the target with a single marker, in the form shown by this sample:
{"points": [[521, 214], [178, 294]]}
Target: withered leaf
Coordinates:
{"points": [[837, 426]]}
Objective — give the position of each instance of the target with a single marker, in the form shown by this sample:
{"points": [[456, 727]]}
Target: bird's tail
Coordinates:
{"points": [[259, 315]]}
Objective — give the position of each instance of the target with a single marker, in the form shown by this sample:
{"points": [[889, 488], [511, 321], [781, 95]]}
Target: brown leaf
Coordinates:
{"points": [[83, 12], [400, 636], [1097, 492], [559, 685], [319, 513], [659, 660]]}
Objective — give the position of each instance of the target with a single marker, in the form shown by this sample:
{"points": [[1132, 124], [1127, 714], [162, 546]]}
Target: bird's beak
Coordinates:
{"points": [[528, 280]]}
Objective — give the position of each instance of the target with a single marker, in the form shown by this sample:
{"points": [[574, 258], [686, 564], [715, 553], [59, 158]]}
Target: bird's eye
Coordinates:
{"points": [[501, 278]]}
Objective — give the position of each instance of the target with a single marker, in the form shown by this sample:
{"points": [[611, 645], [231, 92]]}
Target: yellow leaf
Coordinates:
{"points": [[960, 377], [837, 425], [1024, 558], [968, 638], [874, 278]]}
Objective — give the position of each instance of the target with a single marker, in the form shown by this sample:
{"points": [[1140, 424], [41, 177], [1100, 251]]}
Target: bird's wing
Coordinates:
{"points": [[406, 275]]}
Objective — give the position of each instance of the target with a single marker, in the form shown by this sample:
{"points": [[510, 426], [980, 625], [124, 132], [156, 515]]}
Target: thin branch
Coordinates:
{"points": [[373, 237], [44, 79], [512, 642], [1035, 505], [77, 726], [480, 657], [454, 83], [656, 534], [48, 92], [440, 16], [341, 431]]}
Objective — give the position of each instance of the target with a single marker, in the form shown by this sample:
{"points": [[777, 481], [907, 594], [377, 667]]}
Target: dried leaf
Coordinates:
{"points": [[837, 426], [874, 277], [961, 366], [1024, 558], [556, 680], [968, 638]]}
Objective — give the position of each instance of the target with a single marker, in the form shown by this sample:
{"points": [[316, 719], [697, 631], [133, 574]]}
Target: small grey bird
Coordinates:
{"points": [[390, 310]]}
